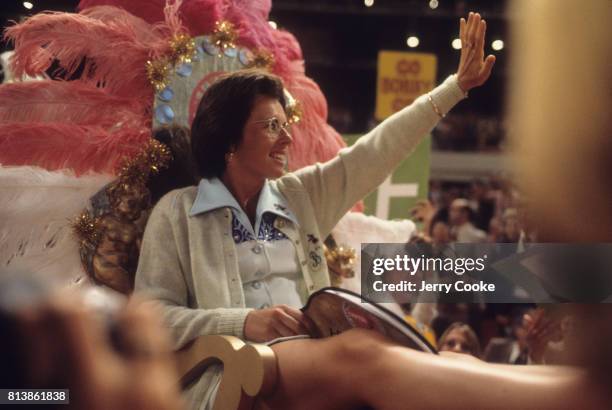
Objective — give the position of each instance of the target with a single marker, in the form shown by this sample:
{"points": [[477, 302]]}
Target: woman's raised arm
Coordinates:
{"points": [[336, 185]]}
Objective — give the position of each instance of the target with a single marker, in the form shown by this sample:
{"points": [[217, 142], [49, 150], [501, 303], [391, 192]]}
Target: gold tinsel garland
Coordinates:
{"points": [[134, 172], [158, 72], [87, 228], [294, 112], [261, 59], [224, 36], [341, 262], [148, 161], [183, 48], [343, 256]]}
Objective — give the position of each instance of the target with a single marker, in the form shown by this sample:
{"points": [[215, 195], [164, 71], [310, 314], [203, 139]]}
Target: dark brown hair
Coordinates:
{"points": [[181, 171], [222, 114]]}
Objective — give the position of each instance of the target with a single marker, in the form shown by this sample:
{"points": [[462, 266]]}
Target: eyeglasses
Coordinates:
{"points": [[274, 126]]}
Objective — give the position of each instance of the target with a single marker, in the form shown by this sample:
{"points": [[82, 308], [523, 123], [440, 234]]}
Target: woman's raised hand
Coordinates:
{"points": [[473, 69]]}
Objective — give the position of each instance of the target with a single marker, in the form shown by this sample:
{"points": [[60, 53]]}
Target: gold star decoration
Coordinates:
{"points": [[224, 36], [293, 108], [261, 59], [133, 174], [341, 263], [157, 73], [294, 112], [149, 161], [182, 49], [87, 229]]}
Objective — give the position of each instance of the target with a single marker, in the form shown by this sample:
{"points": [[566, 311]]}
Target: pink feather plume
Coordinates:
{"points": [[83, 148], [70, 102], [315, 140], [142, 30], [152, 11], [116, 55], [199, 16]]}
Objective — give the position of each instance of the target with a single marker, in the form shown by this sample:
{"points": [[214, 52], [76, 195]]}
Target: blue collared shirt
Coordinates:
{"points": [[267, 262], [213, 194]]}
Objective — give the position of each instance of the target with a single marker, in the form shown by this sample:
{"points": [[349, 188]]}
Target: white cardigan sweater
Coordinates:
{"points": [[189, 264]]}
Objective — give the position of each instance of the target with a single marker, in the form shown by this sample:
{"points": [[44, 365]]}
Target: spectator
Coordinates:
{"points": [[449, 313], [542, 329], [511, 229], [494, 232], [440, 232], [463, 230], [436, 229], [424, 212], [459, 338], [482, 204], [532, 332]]}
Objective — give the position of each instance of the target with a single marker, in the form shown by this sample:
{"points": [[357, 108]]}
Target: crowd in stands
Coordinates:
{"points": [[485, 211], [469, 132], [511, 334]]}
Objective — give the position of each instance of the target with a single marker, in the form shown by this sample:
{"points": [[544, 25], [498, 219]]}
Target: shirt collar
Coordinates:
{"points": [[213, 194], [272, 201]]}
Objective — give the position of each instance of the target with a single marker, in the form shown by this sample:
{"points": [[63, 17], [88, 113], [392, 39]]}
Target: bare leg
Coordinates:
{"points": [[459, 382], [326, 373], [360, 368]]}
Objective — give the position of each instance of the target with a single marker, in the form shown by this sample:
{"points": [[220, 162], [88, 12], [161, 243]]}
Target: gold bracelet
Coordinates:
{"points": [[435, 106]]}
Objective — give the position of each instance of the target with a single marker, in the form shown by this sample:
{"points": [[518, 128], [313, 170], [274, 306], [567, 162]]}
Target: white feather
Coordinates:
{"points": [[36, 210], [356, 228]]}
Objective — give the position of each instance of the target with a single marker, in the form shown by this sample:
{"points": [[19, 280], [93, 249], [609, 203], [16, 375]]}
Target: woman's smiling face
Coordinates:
{"points": [[263, 151]]}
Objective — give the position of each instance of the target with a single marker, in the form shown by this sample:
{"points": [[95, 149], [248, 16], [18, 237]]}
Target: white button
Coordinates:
{"points": [[256, 284], [256, 249]]}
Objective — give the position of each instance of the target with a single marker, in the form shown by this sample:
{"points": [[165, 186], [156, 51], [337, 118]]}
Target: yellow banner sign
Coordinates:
{"points": [[402, 77]]}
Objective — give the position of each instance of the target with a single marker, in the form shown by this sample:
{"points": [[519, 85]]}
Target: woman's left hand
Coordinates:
{"points": [[473, 69]]}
